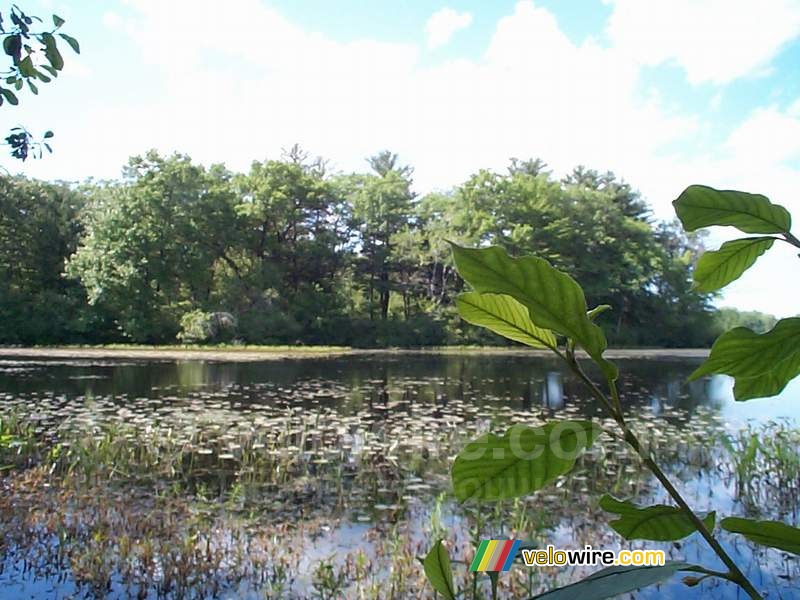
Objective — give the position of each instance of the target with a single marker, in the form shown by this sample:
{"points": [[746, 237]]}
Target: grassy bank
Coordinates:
{"points": [[236, 353]]}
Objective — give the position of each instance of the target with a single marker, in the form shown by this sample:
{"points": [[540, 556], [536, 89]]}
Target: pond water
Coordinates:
{"points": [[332, 473]]}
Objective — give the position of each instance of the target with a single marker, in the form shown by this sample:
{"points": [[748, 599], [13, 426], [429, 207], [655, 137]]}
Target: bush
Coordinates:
{"points": [[207, 327]]}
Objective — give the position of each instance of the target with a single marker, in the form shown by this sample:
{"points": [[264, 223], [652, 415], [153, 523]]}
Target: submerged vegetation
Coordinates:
{"points": [[315, 487], [196, 496]]}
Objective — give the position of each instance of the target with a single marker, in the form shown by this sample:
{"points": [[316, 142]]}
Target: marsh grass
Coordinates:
{"points": [[191, 498]]}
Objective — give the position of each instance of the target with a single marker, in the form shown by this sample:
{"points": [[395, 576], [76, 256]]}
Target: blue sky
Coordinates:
{"points": [[663, 92]]}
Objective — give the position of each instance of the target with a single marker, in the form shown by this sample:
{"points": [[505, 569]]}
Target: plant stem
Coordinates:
{"points": [[612, 385], [791, 239], [735, 574]]}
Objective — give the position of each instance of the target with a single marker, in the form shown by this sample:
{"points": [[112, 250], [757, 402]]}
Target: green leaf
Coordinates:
{"points": [[613, 581], [48, 134], [58, 21], [701, 206], [9, 96], [504, 316], [73, 43], [51, 52], [26, 68], [597, 310], [439, 572], [717, 269], [768, 361], [766, 384], [659, 523], [766, 533], [33, 87], [521, 461], [12, 45], [554, 299]]}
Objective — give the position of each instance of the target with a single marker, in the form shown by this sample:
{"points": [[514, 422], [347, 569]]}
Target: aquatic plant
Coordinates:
{"points": [[201, 491], [529, 301]]}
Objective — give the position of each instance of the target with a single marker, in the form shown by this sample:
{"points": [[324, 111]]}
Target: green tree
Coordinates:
{"points": [[727, 318], [151, 242], [39, 229], [382, 208], [592, 226], [290, 247]]}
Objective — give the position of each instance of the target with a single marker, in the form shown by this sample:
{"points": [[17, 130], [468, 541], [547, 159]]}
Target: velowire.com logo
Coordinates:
{"points": [[495, 555]]}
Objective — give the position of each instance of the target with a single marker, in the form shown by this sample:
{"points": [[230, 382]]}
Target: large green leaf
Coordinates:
{"points": [[505, 316], [521, 461], [554, 300], [700, 206], [613, 581], [767, 533], [439, 572], [659, 523], [717, 269], [766, 384], [766, 361]]}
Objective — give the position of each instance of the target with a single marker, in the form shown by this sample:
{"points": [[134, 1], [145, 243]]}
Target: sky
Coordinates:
{"points": [[665, 93]]}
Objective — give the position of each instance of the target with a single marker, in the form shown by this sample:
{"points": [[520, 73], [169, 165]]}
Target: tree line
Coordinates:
{"points": [[289, 253]]}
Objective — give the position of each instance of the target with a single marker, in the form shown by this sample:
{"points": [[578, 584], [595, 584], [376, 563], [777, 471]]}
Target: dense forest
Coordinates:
{"points": [[290, 253]]}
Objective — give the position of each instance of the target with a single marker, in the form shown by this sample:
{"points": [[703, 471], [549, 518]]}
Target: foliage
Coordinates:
{"points": [[766, 533], [297, 255], [728, 318], [613, 581], [659, 523], [554, 300], [35, 59], [522, 460], [762, 364], [438, 571], [149, 249], [717, 269], [39, 229], [505, 316], [198, 327]]}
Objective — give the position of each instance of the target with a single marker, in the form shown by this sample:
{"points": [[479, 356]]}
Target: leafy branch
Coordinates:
{"points": [[526, 459], [35, 59]]}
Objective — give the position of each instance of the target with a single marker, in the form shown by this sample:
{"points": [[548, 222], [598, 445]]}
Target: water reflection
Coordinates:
{"points": [[368, 433], [390, 381], [553, 391]]}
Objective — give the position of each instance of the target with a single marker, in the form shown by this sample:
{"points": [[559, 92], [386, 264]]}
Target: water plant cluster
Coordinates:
{"points": [[202, 493]]}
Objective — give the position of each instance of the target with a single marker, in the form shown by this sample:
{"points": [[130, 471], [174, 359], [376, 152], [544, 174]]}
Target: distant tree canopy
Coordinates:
{"points": [[289, 253]]}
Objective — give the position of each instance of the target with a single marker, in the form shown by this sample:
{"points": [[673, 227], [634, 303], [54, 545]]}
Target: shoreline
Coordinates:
{"points": [[266, 353]]}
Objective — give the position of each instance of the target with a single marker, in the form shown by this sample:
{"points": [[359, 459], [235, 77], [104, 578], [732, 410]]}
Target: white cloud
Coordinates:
{"points": [[769, 136], [443, 24], [236, 97], [715, 41], [111, 19]]}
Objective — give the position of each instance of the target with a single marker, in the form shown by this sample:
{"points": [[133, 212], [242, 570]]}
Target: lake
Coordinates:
{"points": [[326, 477]]}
